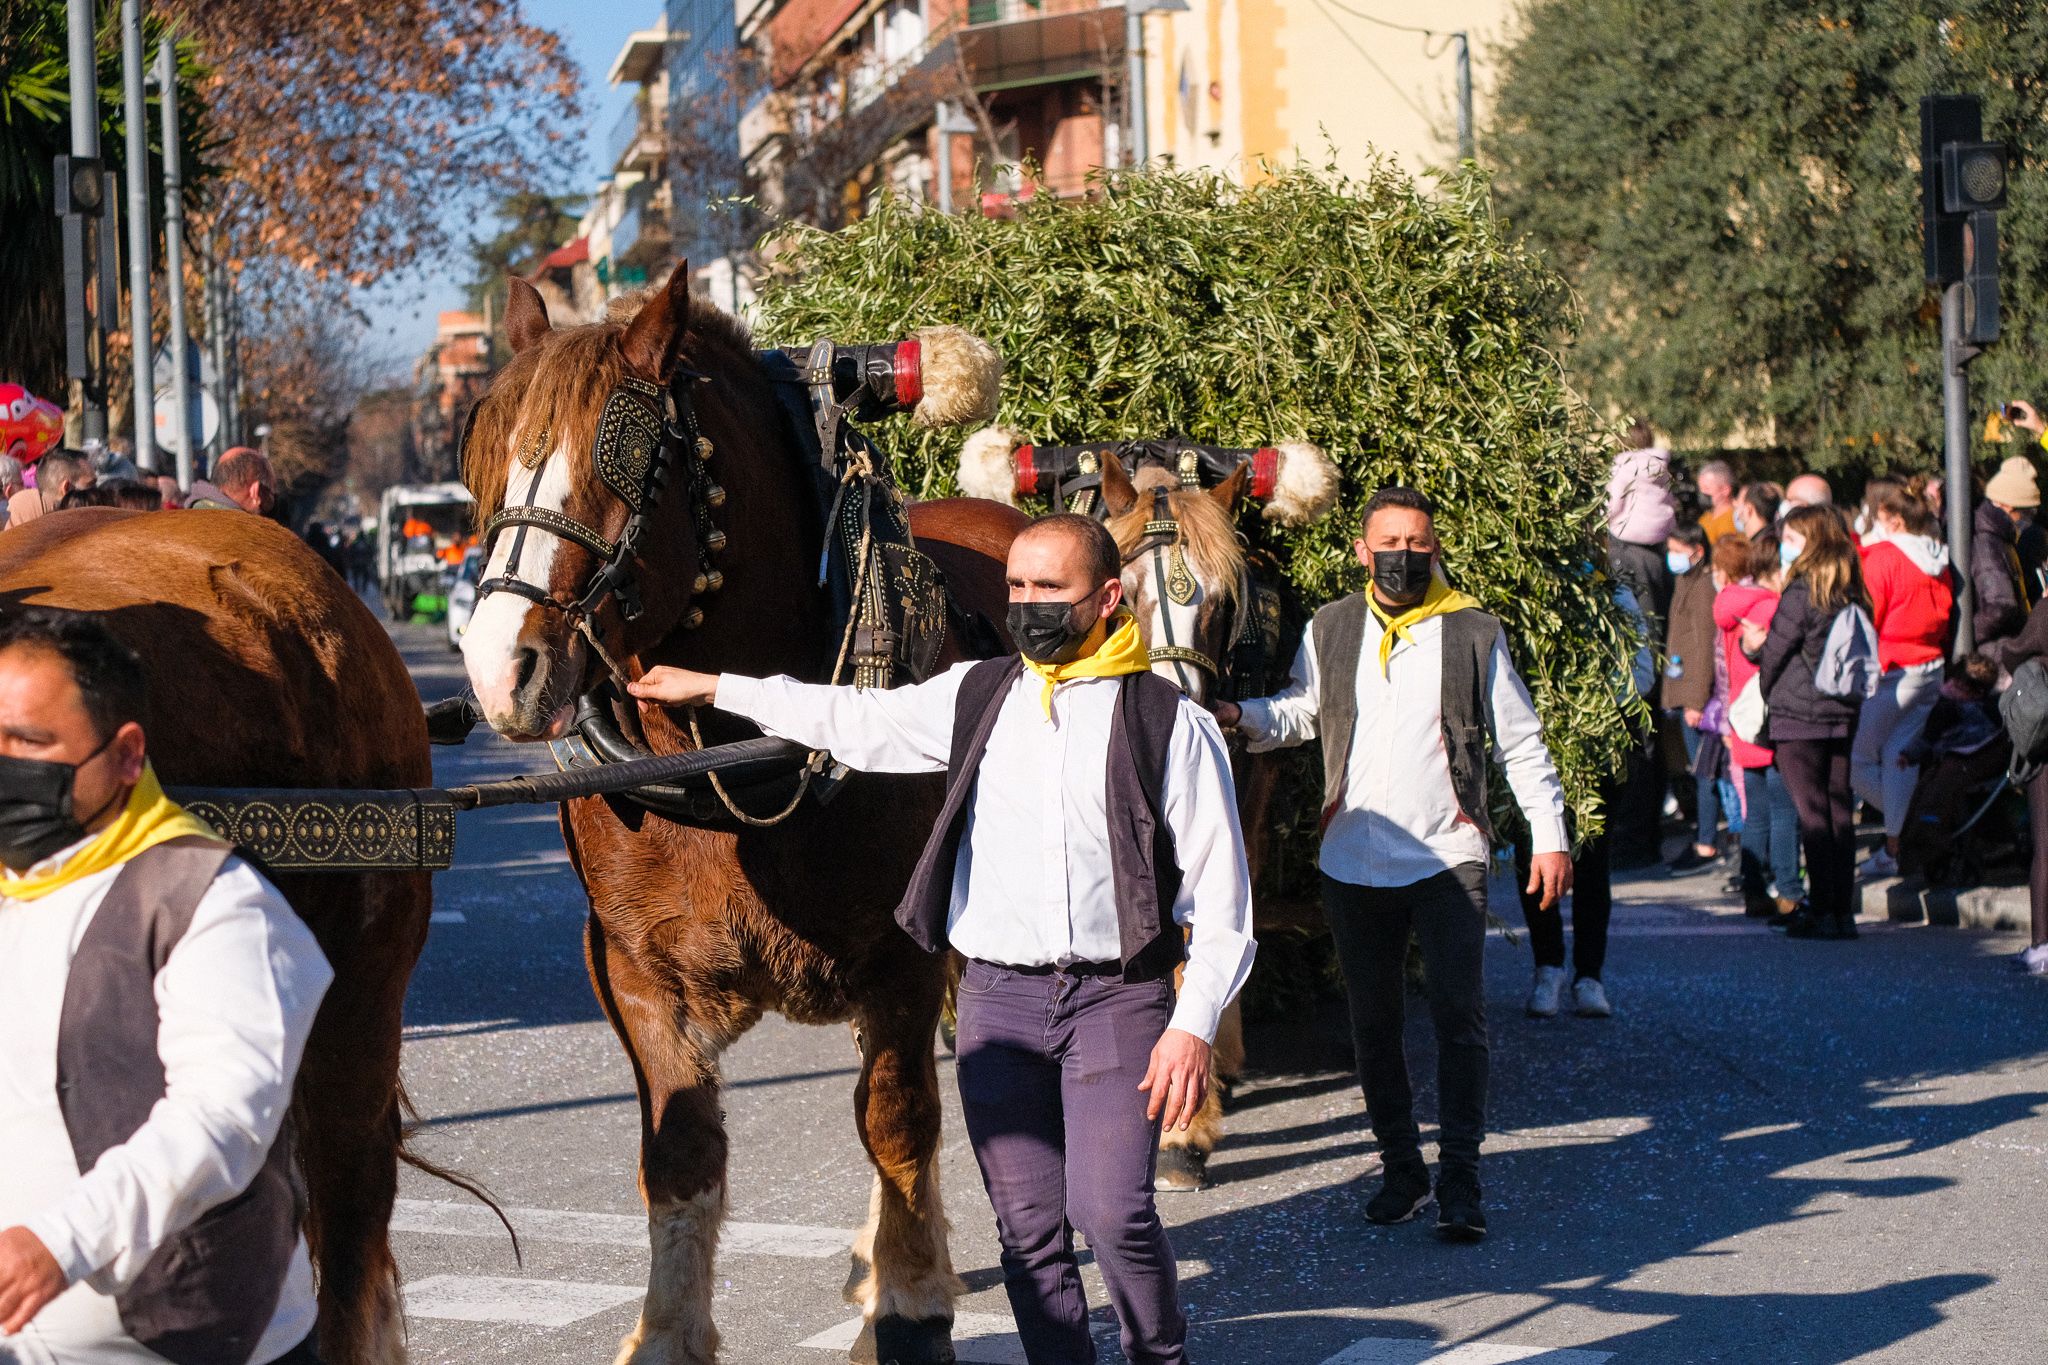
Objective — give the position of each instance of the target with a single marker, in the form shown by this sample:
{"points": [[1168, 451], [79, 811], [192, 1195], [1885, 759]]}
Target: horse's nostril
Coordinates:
{"points": [[529, 664]]}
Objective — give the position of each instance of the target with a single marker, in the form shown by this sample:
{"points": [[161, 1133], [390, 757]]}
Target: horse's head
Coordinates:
{"points": [[583, 456], [1184, 568]]}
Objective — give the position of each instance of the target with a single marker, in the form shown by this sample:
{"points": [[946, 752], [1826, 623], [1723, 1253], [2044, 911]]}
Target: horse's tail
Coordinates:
{"points": [[408, 1127]]}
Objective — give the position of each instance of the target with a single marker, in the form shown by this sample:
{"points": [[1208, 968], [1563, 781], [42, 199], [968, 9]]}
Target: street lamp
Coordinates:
{"points": [[952, 123], [1134, 85]]}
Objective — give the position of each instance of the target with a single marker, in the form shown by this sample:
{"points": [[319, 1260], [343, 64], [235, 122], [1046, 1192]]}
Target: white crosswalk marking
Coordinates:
{"points": [[978, 1339], [1402, 1351], [494, 1298], [612, 1229]]}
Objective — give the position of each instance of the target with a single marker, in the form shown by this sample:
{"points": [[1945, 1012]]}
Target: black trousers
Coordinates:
{"points": [[1592, 898], [2037, 873], [1816, 773], [1370, 927]]}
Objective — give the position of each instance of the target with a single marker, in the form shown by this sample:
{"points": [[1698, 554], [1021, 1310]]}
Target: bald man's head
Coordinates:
{"points": [[1809, 490], [1086, 541]]}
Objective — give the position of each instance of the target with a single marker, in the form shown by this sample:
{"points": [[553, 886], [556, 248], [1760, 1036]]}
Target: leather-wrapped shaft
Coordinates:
{"points": [[1041, 469], [888, 377]]}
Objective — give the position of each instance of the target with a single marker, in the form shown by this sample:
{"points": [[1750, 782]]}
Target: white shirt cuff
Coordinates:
{"points": [[1255, 718], [1546, 834], [1193, 1014], [61, 1241], [738, 694]]}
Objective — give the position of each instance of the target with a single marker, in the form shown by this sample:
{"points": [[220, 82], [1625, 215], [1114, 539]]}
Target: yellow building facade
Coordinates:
{"points": [[1230, 82]]}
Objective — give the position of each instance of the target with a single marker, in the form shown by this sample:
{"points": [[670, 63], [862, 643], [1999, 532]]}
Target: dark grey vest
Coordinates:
{"points": [[1142, 864], [1468, 640], [207, 1295]]}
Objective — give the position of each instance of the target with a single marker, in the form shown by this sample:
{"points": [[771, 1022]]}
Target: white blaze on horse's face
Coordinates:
{"points": [[1163, 619], [517, 653]]}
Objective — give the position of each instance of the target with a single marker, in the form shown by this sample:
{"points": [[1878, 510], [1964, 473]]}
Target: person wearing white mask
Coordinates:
{"points": [[1689, 683]]}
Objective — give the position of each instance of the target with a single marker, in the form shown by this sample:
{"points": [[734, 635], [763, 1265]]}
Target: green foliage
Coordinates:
{"points": [[1399, 330], [35, 126], [1733, 189]]}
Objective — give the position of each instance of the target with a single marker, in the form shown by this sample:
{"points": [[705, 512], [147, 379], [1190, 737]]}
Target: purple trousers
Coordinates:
{"points": [[1049, 1067]]}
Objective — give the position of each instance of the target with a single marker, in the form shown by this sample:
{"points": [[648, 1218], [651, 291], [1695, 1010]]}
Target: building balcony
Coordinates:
{"points": [[763, 121], [1006, 43], [641, 236], [637, 141]]}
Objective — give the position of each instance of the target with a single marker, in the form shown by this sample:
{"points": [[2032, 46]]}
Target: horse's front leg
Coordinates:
{"points": [[682, 1157], [903, 1280]]}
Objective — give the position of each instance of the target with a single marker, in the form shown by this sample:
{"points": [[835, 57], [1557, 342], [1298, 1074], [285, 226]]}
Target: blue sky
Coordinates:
{"points": [[402, 312]]}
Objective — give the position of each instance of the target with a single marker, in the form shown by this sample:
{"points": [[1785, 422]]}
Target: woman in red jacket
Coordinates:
{"points": [[1912, 601]]}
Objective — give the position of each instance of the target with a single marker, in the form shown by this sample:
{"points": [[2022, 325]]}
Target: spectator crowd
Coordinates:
{"points": [[1811, 675]]}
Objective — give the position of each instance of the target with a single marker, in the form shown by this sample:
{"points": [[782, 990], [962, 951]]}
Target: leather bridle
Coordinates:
{"points": [[644, 433], [1162, 539]]}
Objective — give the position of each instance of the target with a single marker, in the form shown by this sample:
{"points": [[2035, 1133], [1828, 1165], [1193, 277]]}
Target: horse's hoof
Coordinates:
{"points": [[904, 1341], [1181, 1170]]}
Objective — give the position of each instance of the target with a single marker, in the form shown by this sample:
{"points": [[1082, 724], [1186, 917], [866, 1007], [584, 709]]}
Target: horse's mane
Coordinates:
{"points": [[1208, 536], [553, 391]]}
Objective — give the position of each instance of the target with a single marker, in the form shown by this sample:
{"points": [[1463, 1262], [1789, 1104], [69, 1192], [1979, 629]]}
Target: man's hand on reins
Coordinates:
{"points": [[676, 687], [1177, 1077], [1227, 713], [1550, 874]]}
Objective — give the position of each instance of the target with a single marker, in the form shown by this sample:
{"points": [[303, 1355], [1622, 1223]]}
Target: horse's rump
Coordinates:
{"points": [[265, 670]]}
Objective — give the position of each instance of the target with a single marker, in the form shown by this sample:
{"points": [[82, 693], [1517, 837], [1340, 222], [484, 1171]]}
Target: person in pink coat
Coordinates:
{"points": [[1747, 573]]}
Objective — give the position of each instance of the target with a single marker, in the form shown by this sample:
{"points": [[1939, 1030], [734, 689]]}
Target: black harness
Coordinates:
{"points": [[643, 434], [890, 599]]}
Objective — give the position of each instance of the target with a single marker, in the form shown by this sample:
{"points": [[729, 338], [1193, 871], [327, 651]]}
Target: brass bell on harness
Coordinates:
{"points": [[694, 619], [714, 495], [714, 540], [708, 582]]}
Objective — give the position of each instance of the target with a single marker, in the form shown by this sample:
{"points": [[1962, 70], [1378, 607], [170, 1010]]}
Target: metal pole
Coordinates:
{"points": [[941, 131], [216, 346], [1465, 149], [1134, 84], [174, 261], [138, 232], [82, 55], [1955, 402]]}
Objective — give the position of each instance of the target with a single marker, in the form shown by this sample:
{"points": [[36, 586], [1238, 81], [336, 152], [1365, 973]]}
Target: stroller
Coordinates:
{"points": [[1967, 818]]}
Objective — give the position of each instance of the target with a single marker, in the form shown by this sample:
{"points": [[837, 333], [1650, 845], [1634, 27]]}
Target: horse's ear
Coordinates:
{"points": [[1117, 493], [1233, 488], [526, 314], [653, 342]]}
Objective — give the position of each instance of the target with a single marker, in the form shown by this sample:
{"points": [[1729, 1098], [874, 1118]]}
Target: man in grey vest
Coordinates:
{"points": [[155, 995], [1089, 819], [1410, 687]]}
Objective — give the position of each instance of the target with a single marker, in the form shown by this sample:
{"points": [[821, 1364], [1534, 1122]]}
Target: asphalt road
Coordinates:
{"points": [[1785, 1152]]}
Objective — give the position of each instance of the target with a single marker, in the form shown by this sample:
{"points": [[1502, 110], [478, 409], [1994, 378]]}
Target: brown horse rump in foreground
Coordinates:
{"points": [[264, 670], [699, 926]]}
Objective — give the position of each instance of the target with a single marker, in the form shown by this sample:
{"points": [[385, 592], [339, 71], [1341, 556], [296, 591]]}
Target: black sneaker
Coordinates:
{"points": [[1458, 1215], [1403, 1193]]}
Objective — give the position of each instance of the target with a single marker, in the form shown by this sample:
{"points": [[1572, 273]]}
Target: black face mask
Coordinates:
{"points": [[1402, 576], [1045, 632], [36, 818]]}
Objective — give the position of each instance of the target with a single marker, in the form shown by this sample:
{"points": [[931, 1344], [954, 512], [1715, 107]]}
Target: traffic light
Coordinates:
{"points": [[1962, 188]]}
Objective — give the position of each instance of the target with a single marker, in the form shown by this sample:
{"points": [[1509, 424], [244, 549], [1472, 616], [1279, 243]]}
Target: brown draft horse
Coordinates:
{"points": [[696, 930], [266, 671]]}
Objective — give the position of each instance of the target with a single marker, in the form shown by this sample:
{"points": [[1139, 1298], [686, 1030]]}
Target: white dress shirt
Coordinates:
{"points": [[1398, 821], [1032, 887], [235, 1001]]}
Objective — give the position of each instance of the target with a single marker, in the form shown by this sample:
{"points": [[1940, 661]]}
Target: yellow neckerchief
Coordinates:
{"points": [[149, 819], [1441, 600], [1122, 652]]}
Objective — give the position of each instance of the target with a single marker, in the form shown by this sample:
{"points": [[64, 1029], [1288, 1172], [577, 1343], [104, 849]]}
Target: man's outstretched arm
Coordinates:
{"points": [[892, 730]]}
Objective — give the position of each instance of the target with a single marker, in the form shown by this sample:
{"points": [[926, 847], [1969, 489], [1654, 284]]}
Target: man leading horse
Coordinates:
{"points": [[1088, 820]]}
